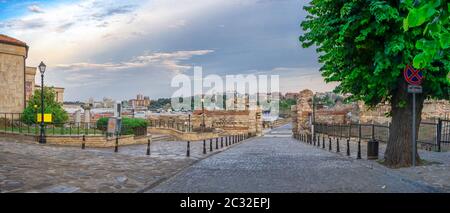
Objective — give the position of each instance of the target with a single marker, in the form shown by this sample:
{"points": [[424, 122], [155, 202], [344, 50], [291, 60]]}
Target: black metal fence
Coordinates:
{"points": [[433, 136], [12, 123]]}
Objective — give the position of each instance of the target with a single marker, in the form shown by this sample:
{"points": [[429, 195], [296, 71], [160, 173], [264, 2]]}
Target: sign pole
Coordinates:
{"points": [[414, 130], [414, 78]]}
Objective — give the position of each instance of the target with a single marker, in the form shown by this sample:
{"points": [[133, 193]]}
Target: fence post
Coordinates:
{"points": [[148, 146], [329, 144], [210, 145], [439, 134], [116, 147], [188, 150], [323, 142], [217, 143], [204, 146], [359, 142], [83, 144], [314, 139], [338, 149], [348, 147]]}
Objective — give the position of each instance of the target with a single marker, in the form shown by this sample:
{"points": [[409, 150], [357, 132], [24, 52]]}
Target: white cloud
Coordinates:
{"points": [[35, 9], [169, 61], [69, 33]]}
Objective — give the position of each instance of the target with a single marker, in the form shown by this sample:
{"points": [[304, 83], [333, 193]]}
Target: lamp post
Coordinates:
{"points": [[203, 112], [42, 139]]}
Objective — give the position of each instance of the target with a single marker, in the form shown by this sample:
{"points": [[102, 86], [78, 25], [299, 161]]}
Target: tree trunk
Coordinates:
{"points": [[399, 148]]}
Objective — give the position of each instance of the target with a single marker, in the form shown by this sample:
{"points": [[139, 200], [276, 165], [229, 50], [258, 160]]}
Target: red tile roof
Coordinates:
{"points": [[8, 40]]}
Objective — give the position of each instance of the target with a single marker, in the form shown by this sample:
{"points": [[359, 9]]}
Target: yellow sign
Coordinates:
{"points": [[47, 118]]}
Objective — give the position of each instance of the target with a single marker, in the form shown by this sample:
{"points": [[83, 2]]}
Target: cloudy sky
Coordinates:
{"points": [[117, 49]]}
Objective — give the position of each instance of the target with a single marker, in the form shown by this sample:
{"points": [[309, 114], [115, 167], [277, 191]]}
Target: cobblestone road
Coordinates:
{"points": [[29, 167], [278, 163]]}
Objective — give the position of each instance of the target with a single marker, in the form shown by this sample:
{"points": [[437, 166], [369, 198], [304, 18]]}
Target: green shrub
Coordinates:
{"points": [[129, 125]]}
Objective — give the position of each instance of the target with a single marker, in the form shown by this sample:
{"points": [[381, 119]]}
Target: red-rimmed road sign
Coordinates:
{"points": [[413, 76]]}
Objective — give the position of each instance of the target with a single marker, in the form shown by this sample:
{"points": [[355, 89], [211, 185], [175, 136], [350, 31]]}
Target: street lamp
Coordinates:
{"points": [[203, 112], [42, 139]]}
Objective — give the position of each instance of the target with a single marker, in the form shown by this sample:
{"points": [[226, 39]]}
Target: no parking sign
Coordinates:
{"points": [[413, 76]]}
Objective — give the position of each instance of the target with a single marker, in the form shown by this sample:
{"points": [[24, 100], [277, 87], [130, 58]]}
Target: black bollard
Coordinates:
{"points": [[116, 147], [348, 147], [83, 144], [226, 141], [221, 142], [188, 149], [210, 145], [148, 147], [329, 145], [314, 140], [204, 146], [217, 143], [338, 148], [323, 142], [318, 141], [359, 150]]}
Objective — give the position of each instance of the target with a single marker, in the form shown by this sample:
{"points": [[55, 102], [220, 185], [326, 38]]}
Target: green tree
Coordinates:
{"points": [[59, 115], [366, 44]]}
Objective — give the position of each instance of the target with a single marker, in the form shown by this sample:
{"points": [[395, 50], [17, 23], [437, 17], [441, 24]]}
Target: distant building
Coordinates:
{"points": [[139, 102], [59, 91], [291, 95]]}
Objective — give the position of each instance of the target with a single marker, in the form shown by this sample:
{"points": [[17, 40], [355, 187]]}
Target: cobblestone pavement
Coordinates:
{"points": [[30, 167], [278, 163]]}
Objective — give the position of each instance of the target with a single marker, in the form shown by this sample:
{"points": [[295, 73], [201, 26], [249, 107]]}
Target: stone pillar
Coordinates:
{"points": [[87, 114], [304, 111], [78, 116]]}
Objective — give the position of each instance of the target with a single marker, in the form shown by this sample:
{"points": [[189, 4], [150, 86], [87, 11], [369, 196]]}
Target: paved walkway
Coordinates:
{"points": [[278, 163], [30, 167]]}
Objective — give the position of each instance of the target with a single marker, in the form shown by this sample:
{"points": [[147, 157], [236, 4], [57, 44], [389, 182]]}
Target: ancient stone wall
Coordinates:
{"points": [[356, 112]]}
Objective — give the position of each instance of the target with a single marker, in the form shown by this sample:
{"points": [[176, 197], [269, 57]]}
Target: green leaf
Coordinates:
{"points": [[417, 17], [421, 60], [444, 40]]}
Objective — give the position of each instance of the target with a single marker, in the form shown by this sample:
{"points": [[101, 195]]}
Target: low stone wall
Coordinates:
{"points": [[91, 141], [191, 136], [96, 141]]}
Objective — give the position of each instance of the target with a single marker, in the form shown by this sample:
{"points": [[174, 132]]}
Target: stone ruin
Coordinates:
{"points": [[354, 112]]}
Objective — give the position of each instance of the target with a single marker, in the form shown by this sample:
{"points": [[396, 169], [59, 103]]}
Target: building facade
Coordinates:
{"points": [[17, 80]]}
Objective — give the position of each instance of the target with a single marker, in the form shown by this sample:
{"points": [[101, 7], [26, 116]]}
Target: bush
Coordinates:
{"points": [[59, 115], [129, 125]]}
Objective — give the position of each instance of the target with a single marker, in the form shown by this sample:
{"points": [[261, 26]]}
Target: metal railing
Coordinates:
{"points": [[12, 123], [433, 136]]}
